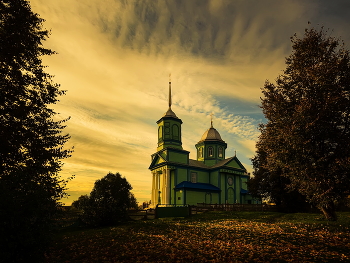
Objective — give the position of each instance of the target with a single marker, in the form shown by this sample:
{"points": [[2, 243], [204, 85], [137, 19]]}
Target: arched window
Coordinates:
{"points": [[210, 151], [175, 132], [220, 152], [200, 152], [160, 133]]}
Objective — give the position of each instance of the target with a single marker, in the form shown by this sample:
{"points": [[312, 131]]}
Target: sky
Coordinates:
{"points": [[114, 58]]}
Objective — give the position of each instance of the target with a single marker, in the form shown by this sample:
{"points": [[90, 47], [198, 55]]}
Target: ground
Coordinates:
{"points": [[211, 237]]}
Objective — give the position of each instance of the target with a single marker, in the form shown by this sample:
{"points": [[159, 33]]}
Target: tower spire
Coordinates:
{"points": [[211, 120], [169, 90]]}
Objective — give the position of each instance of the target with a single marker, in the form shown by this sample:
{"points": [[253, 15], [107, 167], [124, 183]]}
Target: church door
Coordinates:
{"points": [[159, 197], [230, 196], [208, 198]]}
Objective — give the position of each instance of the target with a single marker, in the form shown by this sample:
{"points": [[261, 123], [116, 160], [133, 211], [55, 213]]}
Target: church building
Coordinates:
{"points": [[212, 178]]}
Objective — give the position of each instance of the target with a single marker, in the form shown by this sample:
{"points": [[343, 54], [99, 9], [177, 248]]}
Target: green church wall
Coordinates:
{"points": [[210, 162], [237, 183], [181, 175], [202, 177], [215, 198], [223, 183], [178, 157], [214, 178], [194, 197], [180, 197], [234, 164], [244, 183]]}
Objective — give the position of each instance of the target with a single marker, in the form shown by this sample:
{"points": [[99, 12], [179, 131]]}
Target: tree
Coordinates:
{"points": [[268, 184], [306, 136], [108, 202], [31, 140]]}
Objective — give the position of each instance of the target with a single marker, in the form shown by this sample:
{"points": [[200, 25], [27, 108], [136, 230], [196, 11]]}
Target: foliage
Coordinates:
{"points": [[268, 184], [31, 141], [108, 202], [306, 136], [211, 237]]}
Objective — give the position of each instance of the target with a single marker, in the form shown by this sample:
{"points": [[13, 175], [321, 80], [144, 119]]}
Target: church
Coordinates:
{"points": [[212, 178]]}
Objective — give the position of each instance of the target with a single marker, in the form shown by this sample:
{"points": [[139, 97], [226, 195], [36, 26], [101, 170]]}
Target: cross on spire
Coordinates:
{"points": [[211, 120]]}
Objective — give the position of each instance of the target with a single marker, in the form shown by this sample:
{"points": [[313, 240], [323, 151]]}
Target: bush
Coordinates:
{"points": [[108, 202]]}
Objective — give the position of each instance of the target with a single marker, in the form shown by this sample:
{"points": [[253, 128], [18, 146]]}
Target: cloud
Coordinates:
{"points": [[114, 58]]}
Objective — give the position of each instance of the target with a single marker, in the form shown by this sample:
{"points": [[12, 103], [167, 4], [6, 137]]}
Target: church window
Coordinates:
{"points": [[167, 130], [220, 152], [210, 151], [193, 177], [175, 132], [230, 181], [200, 152], [160, 133]]}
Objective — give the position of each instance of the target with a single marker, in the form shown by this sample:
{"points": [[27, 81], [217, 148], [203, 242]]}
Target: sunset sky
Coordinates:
{"points": [[114, 59]]}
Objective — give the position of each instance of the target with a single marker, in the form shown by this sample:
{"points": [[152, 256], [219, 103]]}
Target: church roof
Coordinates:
{"points": [[227, 162], [197, 163], [211, 135], [222, 162], [243, 191], [170, 113], [197, 186]]}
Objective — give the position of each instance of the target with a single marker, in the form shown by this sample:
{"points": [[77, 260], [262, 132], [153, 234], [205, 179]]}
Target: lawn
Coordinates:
{"points": [[211, 237]]}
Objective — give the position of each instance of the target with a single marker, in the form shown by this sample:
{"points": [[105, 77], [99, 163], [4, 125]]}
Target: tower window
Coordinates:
{"points": [[220, 152], [175, 132], [193, 177], [160, 133], [210, 151], [200, 152]]}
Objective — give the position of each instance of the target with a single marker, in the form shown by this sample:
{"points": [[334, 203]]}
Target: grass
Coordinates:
{"points": [[211, 237]]}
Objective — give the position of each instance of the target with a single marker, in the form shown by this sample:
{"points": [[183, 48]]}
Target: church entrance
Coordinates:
{"points": [[159, 197], [208, 198], [230, 196]]}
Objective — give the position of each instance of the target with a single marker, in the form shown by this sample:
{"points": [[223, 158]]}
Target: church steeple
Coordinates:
{"points": [[169, 128], [211, 148], [169, 90]]}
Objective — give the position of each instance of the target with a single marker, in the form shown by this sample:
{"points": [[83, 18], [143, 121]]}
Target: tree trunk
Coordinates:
{"points": [[329, 211]]}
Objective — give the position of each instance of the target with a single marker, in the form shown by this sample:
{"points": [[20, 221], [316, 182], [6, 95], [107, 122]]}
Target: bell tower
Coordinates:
{"points": [[211, 148], [169, 128]]}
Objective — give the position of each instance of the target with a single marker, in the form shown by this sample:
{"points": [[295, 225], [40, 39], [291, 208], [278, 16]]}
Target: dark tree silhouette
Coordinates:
{"points": [[108, 202], [30, 140], [307, 135], [268, 184]]}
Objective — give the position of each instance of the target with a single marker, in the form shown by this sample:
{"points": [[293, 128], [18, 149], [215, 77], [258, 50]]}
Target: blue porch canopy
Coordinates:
{"points": [[185, 185]]}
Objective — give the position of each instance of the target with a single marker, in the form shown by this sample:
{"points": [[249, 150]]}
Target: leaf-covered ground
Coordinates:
{"points": [[211, 237]]}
